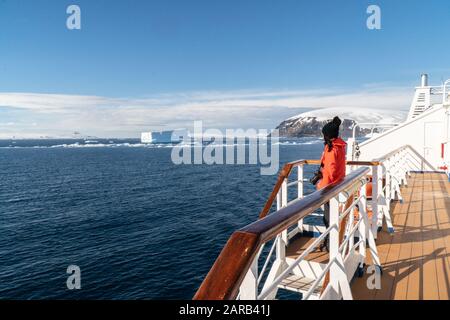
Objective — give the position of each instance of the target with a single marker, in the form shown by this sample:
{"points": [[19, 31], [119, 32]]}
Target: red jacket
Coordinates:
{"points": [[333, 163]]}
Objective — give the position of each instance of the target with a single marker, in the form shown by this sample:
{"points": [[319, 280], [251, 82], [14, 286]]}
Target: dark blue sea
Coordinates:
{"points": [[138, 226]]}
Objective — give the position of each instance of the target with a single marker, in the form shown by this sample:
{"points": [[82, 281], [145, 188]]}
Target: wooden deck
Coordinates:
{"points": [[415, 259], [300, 244]]}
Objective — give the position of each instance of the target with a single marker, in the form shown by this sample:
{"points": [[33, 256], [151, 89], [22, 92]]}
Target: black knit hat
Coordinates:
{"points": [[331, 129]]}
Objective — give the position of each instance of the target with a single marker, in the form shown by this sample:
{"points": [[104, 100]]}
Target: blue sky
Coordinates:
{"points": [[173, 52]]}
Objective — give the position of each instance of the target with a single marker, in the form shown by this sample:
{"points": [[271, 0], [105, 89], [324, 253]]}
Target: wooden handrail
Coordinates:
{"points": [[227, 273], [286, 171]]}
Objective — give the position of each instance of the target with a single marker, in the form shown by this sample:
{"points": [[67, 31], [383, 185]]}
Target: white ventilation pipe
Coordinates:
{"points": [[424, 79]]}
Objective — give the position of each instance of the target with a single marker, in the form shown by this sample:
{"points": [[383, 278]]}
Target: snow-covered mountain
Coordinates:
{"points": [[311, 123]]}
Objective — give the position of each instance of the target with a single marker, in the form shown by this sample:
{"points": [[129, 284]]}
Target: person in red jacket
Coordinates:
{"points": [[333, 163], [333, 157]]}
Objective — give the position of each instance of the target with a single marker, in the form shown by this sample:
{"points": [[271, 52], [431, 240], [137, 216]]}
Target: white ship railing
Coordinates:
{"points": [[239, 273], [338, 254], [387, 174]]}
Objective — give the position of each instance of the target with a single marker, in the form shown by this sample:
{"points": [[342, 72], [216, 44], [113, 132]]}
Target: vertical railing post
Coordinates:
{"points": [[281, 249], [249, 286], [393, 177], [334, 243], [387, 190], [300, 181], [300, 192], [398, 175], [409, 161], [375, 198], [400, 168], [404, 167], [284, 201], [351, 221], [362, 227], [282, 241], [382, 201], [279, 200], [366, 234], [284, 193], [280, 246]]}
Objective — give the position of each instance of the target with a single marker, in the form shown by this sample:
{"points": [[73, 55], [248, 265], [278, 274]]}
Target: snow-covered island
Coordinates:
{"points": [[310, 124]]}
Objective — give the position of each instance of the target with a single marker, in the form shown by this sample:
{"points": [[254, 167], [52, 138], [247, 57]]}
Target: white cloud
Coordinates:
{"points": [[59, 115]]}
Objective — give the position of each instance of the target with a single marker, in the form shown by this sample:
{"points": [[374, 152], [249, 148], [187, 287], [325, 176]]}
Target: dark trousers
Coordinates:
{"points": [[326, 221], [326, 214]]}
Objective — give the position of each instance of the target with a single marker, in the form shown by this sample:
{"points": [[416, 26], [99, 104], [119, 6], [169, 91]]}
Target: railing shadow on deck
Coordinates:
{"points": [[397, 271]]}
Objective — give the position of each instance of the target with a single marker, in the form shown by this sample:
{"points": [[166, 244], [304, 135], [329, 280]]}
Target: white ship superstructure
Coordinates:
{"points": [[426, 130]]}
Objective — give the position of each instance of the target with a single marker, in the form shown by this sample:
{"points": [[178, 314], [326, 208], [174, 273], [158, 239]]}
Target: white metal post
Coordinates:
{"points": [[284, 193], [300, 181], [363, 227], [280, 263], [284, 201], [404, 167], [351, 221], [396, 193], [385, 201], [300, 192], [334, 241], [366, 234], [338, 278], [281, 243], [281, 246], [375, 198], [393, 170], [249, 286], [279, 200], [387, 190]]}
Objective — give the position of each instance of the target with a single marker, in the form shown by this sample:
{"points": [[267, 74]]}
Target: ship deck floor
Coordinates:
{"points": [[415, 259]]}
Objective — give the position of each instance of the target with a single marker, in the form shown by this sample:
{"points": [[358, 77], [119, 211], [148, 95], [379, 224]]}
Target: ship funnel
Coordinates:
{"points": [[424, 78]]}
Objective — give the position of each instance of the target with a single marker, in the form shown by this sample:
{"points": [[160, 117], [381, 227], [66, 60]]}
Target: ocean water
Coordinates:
{"points": [[138, 226]]}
